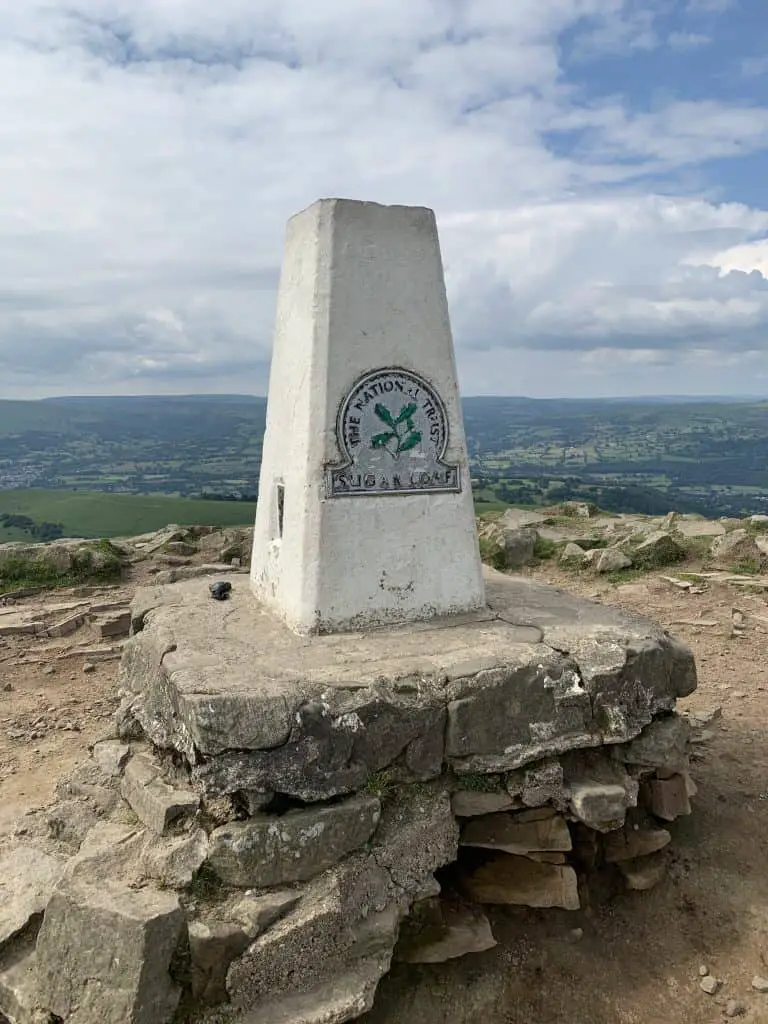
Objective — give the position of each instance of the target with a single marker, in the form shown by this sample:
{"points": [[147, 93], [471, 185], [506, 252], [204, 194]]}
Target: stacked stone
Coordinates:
{"points": [[250, 845]]}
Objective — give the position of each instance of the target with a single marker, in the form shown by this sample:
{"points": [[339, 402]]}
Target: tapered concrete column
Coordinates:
{"points": [[365, 513]]}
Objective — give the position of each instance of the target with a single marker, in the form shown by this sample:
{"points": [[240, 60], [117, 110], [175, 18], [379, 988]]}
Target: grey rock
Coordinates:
{"points": [[702, 722], [760, 984], [517, 547], [297, 846], [189, 572], [659, 548], [174, 861], [18, 986], [541, 673], [601, 806], [343, 917], [66, 823], [105, 952], [709, 985], [518, 518], [662, 744], [416, 836], [467, 803], [668, 798], [28, 877], [736, 547], [115, 625], [256, 913], [512, 880], [213, 945], [630, 843], [111, 756], [539, 784], [572, 555], [127, 724], [345, 997], [155, 802], [506, 832], [612, 560], [438, 931]]}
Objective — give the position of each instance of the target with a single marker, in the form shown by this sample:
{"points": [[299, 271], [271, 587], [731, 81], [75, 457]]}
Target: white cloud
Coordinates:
{"points": [[153, 150]]}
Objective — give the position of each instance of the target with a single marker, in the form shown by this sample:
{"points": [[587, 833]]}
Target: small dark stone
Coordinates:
{"points": [[220, 591]]}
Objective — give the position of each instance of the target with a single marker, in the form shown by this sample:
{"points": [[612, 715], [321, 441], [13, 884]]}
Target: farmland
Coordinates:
{"points": [[128, 461]]}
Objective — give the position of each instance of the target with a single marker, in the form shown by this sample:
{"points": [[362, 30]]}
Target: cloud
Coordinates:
{"points": [[152, 152], [687, 40]]}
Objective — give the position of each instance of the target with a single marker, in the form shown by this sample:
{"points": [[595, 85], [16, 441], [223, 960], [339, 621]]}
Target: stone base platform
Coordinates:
{"points": [[274, 818], [254, 707]]}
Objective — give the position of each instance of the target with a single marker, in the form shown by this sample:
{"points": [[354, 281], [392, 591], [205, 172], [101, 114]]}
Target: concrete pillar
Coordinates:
{"points": [[365, 513]]}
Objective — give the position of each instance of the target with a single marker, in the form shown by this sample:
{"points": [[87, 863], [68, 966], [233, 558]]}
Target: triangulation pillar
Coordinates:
{"points": [[365, 514]]}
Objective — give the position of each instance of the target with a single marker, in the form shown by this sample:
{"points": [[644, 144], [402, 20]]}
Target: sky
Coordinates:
{"points": [[599, 171]]}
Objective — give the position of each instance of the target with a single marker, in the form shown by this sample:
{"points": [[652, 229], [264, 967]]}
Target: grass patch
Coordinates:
{"points": [[476, 783], [544, 549], [93, 514], [492, 553], [381, 784], [746, 567], [43, 573]]}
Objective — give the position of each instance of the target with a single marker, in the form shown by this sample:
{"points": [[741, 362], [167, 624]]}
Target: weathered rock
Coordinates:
{"points": [[736, 548], [296, 717], [188, 572], [702, 723], [105, 952], [18, 986], [337, 923], [668, 798], [645, 872], [539, 784], [256, 913], [155, 802], [517, 547], [111, 756], [297, 846], [630, 843], [438, 931], [612, 560], [693, 527], [28, 877], [115, 625], [662, 744], [66, 822], [601, 806], [572, 555], [343, 998], [174, 861], [760, 984], [213, 945], [468, 803], [505, 832], [709, 985], [127, 724], [659, 548], [416, 836], [507, 879]]}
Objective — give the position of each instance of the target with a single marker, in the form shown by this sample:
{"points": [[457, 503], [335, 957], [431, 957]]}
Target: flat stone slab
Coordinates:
{"points": [[28, 877], [254, 706]]}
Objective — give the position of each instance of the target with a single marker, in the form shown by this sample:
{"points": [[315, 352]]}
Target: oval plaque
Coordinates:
{"points": [[392, 432]]}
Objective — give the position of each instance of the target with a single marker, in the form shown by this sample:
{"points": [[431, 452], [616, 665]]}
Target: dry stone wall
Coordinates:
{"points": [[271, 820]]}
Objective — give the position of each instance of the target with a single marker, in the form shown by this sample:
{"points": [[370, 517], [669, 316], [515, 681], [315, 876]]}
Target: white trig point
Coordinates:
{"points": [[365, 513]]}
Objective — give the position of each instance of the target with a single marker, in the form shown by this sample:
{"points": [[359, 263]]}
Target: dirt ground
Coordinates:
{"points": [[638, 959]]}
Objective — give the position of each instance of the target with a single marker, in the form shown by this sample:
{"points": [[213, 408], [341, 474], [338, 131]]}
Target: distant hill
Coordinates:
{"points": [[646, 455]]}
